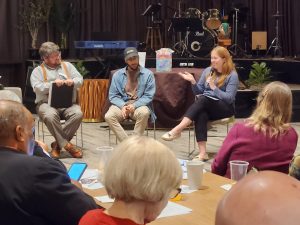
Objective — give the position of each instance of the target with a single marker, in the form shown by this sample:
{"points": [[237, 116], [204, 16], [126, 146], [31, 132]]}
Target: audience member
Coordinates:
{"points": [[141, 176], [131, 93], [294, 169], [216, 90], [40, 148], [264, 198], [34, 190], [266, 139], [54, 70]]}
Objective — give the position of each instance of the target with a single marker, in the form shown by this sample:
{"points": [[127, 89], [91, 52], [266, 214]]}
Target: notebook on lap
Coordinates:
{"points": [[60, 97]]}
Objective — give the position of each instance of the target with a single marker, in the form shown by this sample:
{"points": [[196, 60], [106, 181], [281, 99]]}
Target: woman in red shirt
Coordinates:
{"points": [[142, 175]]}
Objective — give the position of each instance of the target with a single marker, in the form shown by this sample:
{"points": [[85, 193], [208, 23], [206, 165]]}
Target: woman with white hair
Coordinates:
{"points": [[266, 139], [142, 175]]}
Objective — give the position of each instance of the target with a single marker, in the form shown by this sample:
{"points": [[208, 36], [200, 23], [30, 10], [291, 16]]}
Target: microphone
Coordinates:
{"points": [[212, 70]]}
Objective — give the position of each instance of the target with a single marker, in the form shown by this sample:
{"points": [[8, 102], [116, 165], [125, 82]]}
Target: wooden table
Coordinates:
{"points": [[203, 202]]}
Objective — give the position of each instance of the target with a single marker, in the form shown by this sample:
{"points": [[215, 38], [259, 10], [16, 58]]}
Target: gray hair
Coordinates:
{"points": [[142, 169], [48, 48], [9, 95], [11, 114]]}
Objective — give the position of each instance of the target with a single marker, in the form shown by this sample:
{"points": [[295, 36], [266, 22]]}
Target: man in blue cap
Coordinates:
{"points": [[131, 93]]}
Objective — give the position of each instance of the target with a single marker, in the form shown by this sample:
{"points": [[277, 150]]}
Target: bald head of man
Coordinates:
{"points": [[16, 127], [264, 198]]}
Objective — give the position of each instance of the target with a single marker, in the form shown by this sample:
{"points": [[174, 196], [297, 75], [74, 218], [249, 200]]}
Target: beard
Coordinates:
{"points": [[133, 67]]}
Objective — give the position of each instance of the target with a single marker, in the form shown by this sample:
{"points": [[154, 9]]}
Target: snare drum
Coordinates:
{"points": [[213, 22], [192, 13]]}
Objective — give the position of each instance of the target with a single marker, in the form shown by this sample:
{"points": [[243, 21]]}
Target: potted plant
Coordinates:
{"points": [[259, 74], [33, 15], [81, 68], [62, 18]]}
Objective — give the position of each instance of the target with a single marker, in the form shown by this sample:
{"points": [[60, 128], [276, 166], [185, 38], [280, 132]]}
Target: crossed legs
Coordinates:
{"points": [[62, 134], [200, 111]]}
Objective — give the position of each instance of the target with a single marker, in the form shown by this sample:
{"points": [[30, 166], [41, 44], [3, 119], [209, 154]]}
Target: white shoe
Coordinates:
{"points": [[203, 158], [170, 137]]}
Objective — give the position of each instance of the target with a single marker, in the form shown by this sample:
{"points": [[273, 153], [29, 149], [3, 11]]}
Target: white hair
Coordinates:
{"points": [[142, 169], [9, 95]]}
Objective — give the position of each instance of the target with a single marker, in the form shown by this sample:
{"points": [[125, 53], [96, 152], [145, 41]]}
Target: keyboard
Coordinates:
{"points": [[105, 44]]}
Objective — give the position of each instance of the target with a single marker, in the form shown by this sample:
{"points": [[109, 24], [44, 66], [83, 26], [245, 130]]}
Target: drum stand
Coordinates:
{"points": [[235, 48], [181, 46], [275, 42]]}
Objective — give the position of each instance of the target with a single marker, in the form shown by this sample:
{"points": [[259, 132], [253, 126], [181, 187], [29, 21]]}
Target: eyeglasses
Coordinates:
{"points": [[174, 193], [54, 55]]}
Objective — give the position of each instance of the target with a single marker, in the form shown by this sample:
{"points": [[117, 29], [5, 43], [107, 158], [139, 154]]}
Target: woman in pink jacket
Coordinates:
{"points": [[266, 139]]}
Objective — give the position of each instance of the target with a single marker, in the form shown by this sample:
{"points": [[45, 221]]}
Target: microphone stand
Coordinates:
{"points": [[233, 49], [275, 42]]}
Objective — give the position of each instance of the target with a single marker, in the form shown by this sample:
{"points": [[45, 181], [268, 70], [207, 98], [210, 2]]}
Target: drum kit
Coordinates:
{"points": [[201, 31]]}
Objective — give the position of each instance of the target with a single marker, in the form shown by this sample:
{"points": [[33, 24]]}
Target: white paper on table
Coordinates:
{"points": [[93, 186], [174, 209], [186, 189], [104, 199], [226, 187], [92, 175]]}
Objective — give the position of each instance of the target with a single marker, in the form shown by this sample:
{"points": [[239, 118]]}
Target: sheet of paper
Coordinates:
{"points": [[142, 58], [185, 189], [213, 98], [90, 173], [104, 199], [174, 209], [226, 187], [89, 179]]}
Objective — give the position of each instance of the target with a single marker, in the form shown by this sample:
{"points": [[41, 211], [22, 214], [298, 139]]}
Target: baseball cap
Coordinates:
{"points": [[130, 52]]}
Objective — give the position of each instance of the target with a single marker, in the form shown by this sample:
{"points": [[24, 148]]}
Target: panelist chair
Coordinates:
{"points": [[210, 125], [42, 132]]}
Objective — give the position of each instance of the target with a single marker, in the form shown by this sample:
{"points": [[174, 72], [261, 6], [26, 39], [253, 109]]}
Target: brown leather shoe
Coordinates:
{"points": [[55, 153], [74, 152]]}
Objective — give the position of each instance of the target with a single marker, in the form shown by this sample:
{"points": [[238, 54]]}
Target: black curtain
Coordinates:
{"points": [[124, 19]]}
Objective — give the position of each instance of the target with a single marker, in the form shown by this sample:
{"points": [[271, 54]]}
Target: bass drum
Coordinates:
{"points": [[200, 44]]}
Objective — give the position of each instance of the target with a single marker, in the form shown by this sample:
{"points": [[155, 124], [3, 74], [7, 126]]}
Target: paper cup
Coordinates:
{"points": [[195, 174]]}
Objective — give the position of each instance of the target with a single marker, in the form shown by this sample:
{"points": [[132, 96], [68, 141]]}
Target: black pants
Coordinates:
{"points": [[205, 109]]}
